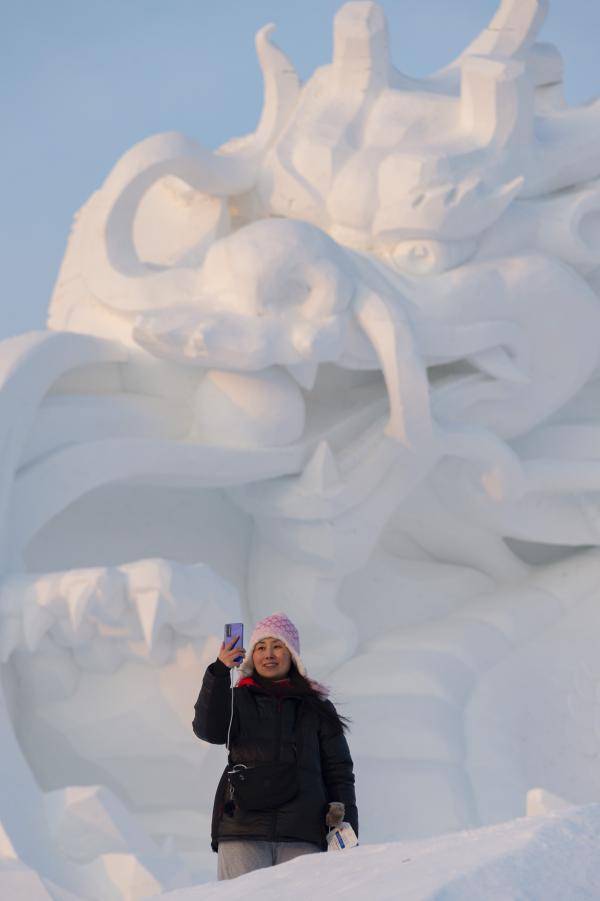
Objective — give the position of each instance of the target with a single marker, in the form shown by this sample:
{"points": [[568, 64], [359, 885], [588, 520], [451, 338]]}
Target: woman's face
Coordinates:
{"points": [[271, 658]]}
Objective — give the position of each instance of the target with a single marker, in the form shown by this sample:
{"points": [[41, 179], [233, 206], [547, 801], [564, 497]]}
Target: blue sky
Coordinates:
{"points": [[83, 80]]}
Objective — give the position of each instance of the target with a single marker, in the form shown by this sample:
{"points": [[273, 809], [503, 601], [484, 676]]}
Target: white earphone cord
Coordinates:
{"points": [[231, 678]]}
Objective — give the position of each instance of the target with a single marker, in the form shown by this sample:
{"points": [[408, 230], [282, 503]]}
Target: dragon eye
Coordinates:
{"points": [[426, 257]]}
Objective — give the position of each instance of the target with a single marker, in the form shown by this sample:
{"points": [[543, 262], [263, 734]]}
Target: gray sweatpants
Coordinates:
{"points": [[239, 857]]}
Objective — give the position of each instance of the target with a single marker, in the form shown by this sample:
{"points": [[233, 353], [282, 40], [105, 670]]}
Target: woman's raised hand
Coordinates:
{"points": [[229, 654]]}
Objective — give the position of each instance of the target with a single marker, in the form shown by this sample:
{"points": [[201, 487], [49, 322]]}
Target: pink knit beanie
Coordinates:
{"points": [[275, 626]]}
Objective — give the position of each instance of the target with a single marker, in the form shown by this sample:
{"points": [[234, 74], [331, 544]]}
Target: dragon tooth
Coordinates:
{"points": [[36, 622], [78, 598], [321, 472], [153, 613], [391, 334], [304, 373]]}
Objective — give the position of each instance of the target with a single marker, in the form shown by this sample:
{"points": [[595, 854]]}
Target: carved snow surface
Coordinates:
{"points": [[108, 615], [87, 821], [347, 366], [551, 857]]}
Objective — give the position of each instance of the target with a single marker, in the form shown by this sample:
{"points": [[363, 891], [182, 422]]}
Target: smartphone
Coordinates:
{"points": [[235, 630]]}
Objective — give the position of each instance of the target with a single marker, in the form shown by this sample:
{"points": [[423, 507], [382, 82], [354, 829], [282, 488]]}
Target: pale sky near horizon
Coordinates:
{"points": [[83, 80]]}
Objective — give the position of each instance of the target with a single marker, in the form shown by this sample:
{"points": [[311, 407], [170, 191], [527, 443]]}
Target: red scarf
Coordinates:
{"points": [[280, 686]]}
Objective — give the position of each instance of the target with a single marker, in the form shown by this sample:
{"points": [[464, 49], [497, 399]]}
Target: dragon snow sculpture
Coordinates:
{"points": [[348, 366]]}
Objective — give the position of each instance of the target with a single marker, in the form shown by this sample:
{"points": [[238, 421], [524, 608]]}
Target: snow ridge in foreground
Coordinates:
{"points": [[550, 858]]}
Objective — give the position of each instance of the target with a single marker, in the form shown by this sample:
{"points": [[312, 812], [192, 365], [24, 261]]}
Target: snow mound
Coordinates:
{"points": [[553, 858]]}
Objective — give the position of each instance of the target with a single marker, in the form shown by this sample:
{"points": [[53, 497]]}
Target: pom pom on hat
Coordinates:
{"points": [[278, 625]]}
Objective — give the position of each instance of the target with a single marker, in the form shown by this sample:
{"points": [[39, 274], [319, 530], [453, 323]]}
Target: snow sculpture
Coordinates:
{"points": [[346, 366]]}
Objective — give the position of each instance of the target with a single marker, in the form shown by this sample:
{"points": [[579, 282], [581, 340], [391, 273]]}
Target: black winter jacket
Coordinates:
{"points": [[266, 728]]}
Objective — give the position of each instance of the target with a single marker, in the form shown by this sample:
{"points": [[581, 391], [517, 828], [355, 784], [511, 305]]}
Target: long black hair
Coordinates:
{"points": [[312, 693]]}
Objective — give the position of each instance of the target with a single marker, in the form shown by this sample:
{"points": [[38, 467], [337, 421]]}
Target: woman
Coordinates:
{"points": [[282, 718]]}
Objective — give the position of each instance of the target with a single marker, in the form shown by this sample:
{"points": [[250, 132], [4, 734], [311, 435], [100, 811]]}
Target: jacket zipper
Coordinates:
{"points": [[279, 711]]}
